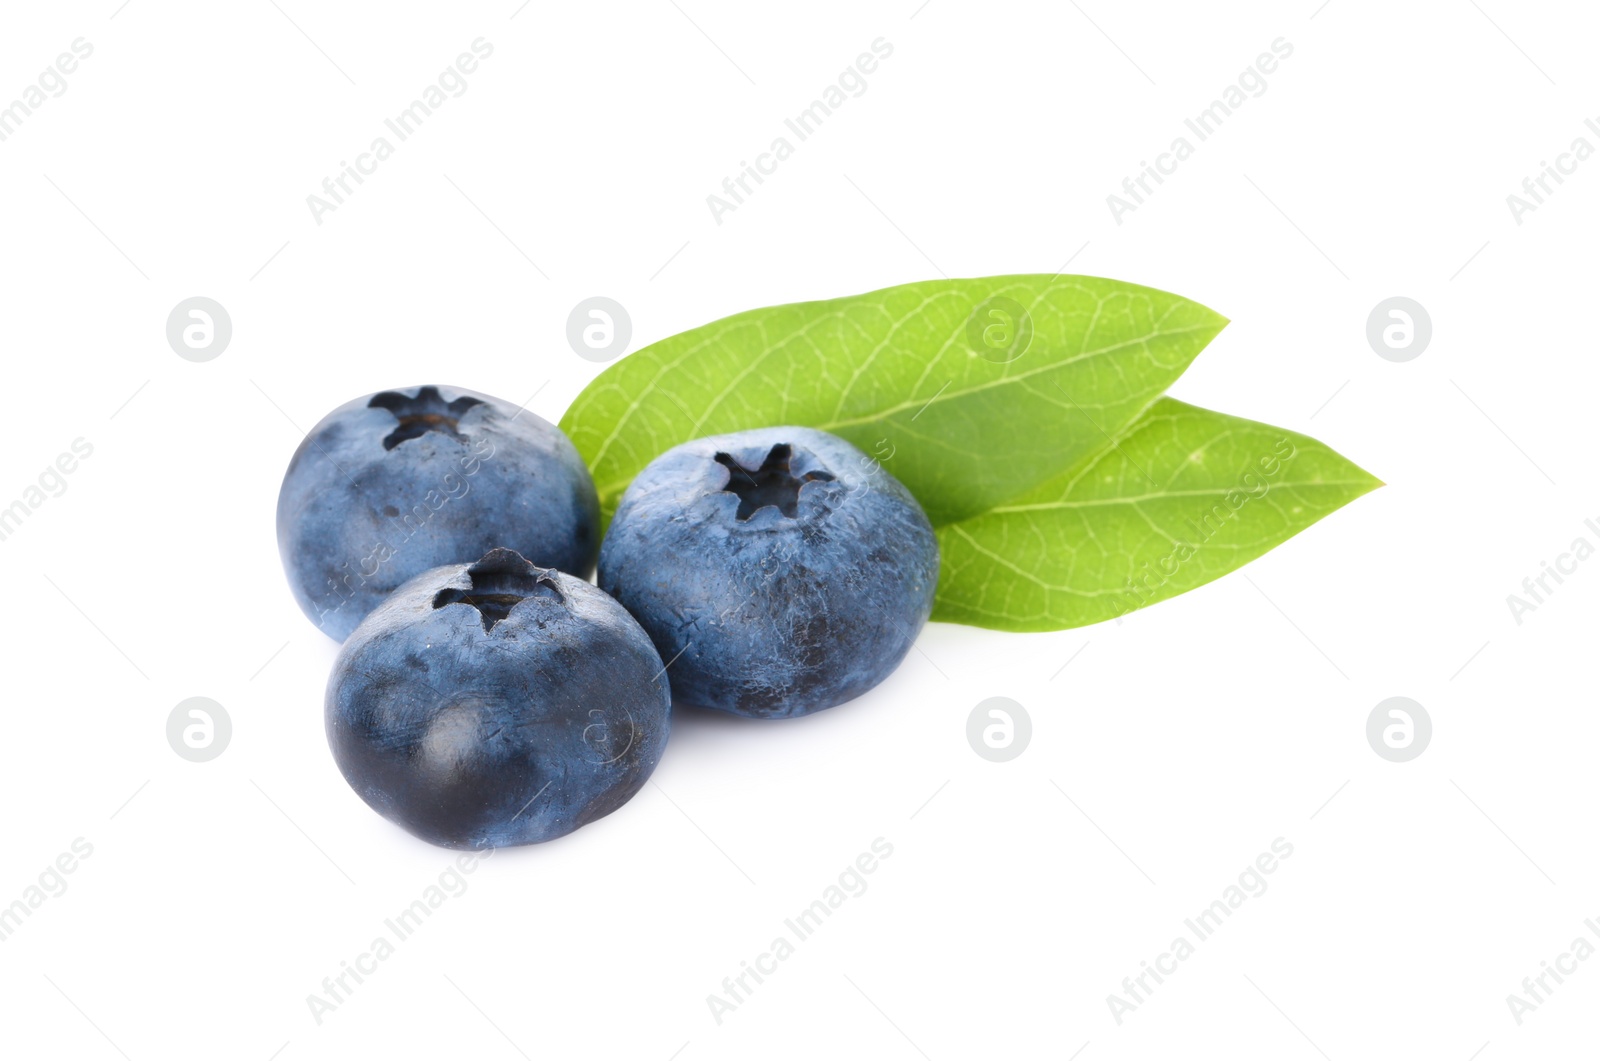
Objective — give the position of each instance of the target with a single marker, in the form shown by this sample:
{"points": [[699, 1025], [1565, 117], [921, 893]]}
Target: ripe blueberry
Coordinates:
{"points": [[396, 483], [778, 571], [497, 703]]}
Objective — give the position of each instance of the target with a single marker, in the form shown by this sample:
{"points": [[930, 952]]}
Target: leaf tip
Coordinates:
{"points": [[1212, 323]]}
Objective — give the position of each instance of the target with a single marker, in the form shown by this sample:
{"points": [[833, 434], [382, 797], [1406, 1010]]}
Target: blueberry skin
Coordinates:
{"points": [[496, 704], [391, 485], [781, 571]]}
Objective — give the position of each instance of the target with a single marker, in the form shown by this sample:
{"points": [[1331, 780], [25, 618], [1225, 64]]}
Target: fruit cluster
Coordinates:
{"points": [[487, 694]]}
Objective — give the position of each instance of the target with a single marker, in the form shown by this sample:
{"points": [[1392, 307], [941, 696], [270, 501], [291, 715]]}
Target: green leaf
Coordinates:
{"points": [[967, 409], [1182, 496]]}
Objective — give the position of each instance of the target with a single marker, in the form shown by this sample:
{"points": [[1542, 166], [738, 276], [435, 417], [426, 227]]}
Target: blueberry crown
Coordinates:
{"points": [[771, 484], [420, 413], [501, 581]]}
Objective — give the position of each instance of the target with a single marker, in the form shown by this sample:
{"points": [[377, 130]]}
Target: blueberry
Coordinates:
{"points": [[778, 571], [396, 483], [497, 703]]}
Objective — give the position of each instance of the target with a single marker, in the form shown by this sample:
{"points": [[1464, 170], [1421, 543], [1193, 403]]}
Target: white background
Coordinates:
{"points": [[1171, 750]]}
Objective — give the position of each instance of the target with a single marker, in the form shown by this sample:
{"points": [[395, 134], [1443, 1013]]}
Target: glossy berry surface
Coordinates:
{"points": [[399, 482], [779, 571], [497, 703]]}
